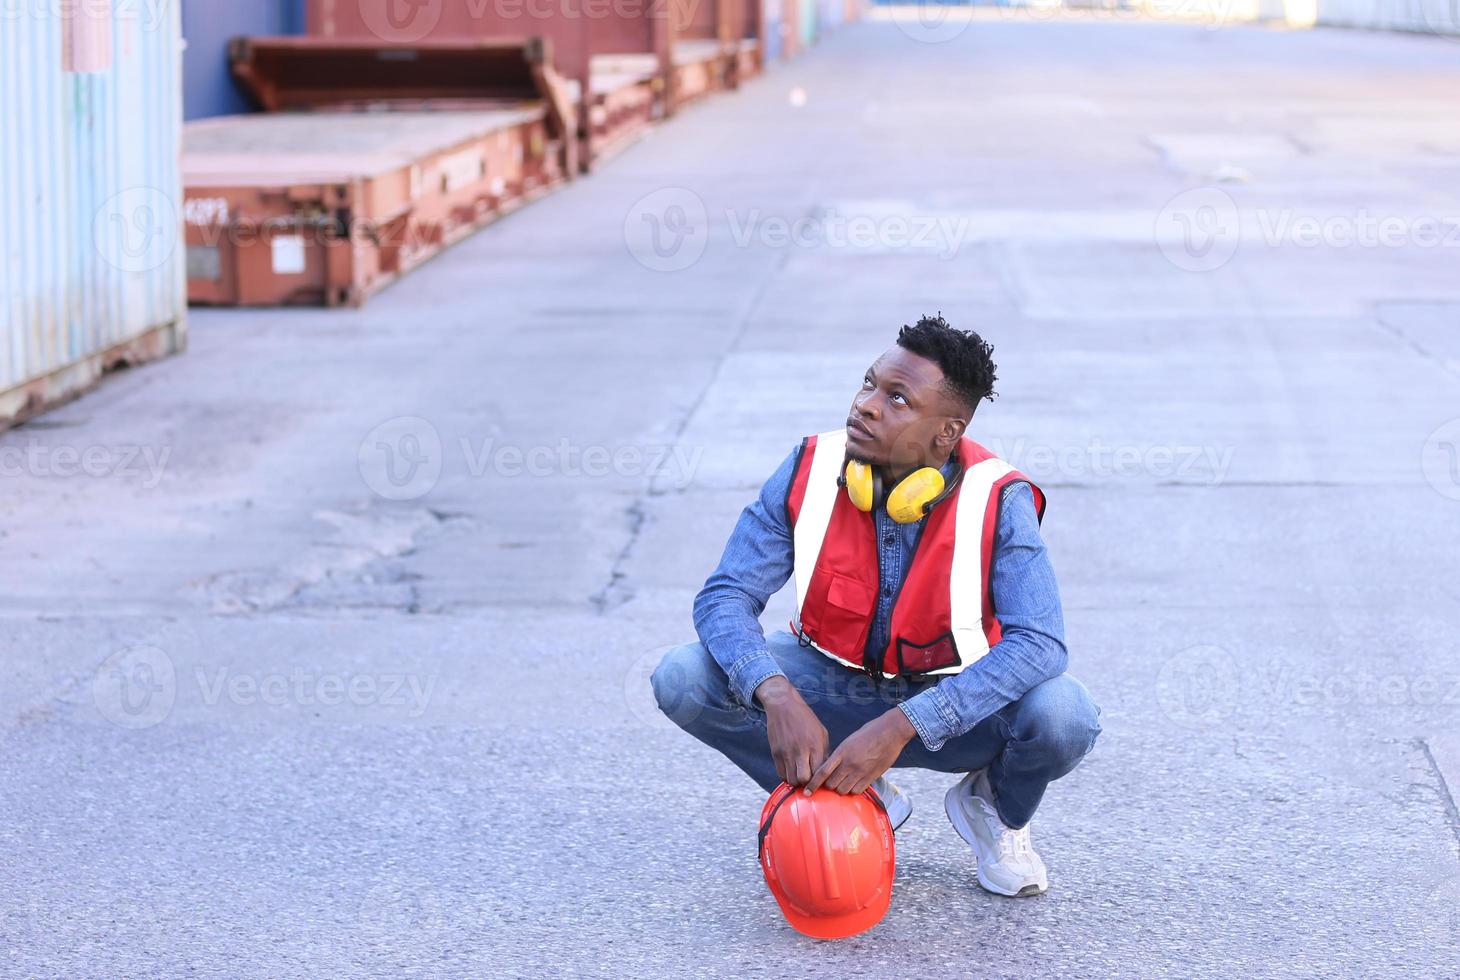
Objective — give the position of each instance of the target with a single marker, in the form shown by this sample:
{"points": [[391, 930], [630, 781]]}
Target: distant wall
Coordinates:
{"points": [[207, 25]]}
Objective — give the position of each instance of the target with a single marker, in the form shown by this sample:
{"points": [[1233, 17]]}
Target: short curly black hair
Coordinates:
{"points": [[969, 371]]}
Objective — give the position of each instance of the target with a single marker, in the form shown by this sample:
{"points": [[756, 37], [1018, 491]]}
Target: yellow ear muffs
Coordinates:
{"points": [[861, 481], [909, 500]]}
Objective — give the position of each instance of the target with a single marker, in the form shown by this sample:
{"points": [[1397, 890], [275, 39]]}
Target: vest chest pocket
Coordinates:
{"points": [[842, 621]]}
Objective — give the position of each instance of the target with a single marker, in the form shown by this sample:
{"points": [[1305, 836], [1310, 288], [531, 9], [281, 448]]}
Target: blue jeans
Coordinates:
{"points": [[1027, 744]]}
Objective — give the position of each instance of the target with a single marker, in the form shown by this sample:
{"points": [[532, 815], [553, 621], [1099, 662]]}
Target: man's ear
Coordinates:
{"points": [[950, 433]]}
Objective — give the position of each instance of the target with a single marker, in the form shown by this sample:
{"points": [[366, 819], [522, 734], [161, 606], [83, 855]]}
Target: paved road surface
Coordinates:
{"points": [[262, 719]]}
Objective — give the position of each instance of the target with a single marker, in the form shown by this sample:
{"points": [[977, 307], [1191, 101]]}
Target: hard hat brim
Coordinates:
{"points": [[838, 926]]}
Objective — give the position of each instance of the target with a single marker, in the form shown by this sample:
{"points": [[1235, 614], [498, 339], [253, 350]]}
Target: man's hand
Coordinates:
{"points": [[797, 736], [866, 754]]}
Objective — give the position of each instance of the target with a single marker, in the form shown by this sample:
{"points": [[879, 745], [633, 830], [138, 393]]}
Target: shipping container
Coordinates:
{"points": [[615, 57], [773, 30], [752, 52], [207, 28], [92, 276], [704, 48], [367, 163], [807, 24]]}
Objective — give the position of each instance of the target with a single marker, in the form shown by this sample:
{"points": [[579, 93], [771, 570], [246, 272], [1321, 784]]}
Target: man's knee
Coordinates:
{"points": [[682, 680], [1060, 717]]}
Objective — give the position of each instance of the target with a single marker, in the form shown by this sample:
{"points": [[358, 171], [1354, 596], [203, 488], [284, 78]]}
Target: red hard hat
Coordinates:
{"points": [[828, 859]]}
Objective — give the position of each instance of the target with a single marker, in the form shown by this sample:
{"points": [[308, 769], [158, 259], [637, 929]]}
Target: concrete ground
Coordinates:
{"points": [[327, 643]]}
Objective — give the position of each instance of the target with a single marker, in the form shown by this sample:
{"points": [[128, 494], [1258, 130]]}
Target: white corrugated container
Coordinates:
{"points": [[92, 274]]}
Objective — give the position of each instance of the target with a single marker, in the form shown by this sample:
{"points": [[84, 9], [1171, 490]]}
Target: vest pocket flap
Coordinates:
{"points": [[851, 595]]}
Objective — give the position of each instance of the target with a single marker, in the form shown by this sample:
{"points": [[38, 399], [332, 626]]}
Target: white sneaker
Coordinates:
{"points": [[1007, 861], [899, 807]]}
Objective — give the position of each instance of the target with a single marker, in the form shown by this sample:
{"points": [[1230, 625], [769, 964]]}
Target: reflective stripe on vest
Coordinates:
{"points": [[943, 618]]}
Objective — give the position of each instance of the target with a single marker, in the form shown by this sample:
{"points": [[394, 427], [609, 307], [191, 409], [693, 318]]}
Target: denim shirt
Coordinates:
{"points": [[759, 559]]}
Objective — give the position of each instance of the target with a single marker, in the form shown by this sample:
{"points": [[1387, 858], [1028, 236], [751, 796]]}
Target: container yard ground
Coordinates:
{"points": [[328, 642]]}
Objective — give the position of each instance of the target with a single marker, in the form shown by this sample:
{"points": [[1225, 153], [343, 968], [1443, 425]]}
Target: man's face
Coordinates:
{"points": [[902, 417]]}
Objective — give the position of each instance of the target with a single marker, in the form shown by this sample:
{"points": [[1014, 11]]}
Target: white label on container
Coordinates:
{"points": [[204, 211], [460, 169], [288, 254]]}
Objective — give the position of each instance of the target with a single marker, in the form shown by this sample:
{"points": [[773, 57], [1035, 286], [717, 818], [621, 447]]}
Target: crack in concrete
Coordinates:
{"points": [[1447, 796], [616, 591], [1403, 336]]}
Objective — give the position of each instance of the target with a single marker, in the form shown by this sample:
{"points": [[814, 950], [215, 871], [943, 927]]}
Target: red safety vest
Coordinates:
{"points": [[943, 618]]}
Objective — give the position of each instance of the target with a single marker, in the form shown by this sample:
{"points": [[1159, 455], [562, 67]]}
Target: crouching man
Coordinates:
{"points": [[928, 631]]}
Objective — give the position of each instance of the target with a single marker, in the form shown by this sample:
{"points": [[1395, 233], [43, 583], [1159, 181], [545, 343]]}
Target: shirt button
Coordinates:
{"points": [[887, 593], [889, 538]]}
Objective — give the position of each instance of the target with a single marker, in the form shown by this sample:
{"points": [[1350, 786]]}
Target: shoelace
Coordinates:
{"points": [[1010, 842]]}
